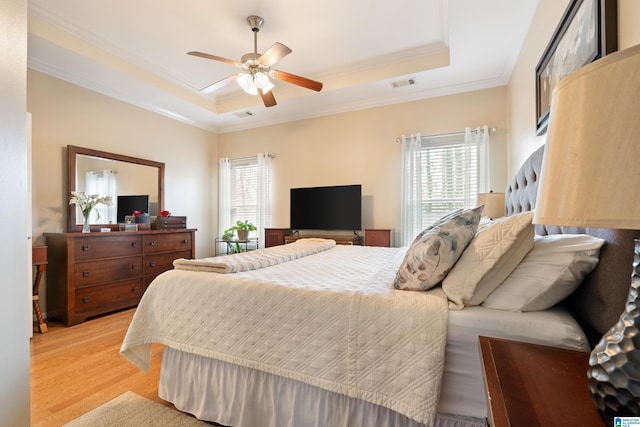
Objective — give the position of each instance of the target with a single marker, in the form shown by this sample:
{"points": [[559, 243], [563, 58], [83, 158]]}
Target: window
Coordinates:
{"points": [[440, 174], [245, 193]]}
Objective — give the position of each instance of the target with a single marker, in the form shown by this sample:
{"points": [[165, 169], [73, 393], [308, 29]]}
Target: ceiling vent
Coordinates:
{"points": [[242, 114], [405, 82]]}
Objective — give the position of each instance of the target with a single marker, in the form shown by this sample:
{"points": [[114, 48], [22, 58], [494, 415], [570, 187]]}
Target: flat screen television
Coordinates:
{"points": [[326, 208], [128, 204]]}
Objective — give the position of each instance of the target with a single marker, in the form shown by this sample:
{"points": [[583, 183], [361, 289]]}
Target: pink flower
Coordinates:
{"points": [[136, 213]]}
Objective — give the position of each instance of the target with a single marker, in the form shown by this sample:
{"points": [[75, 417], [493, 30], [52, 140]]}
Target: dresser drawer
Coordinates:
{"points": [[90, 272], [108, 297], [159, 263], [155, 243], [107, 246]]}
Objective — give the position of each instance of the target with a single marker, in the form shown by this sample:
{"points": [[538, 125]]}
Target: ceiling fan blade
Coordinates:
{"points": [[297, 80], [268, 98], [217, 85], [214, 57], [274, 54]]}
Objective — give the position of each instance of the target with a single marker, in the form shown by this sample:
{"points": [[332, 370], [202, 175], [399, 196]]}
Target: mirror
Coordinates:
{"points": [[99, 172]]}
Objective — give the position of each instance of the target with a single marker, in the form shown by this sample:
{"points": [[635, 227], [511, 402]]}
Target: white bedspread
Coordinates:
{"points": [[253, 260], [331, 320]]}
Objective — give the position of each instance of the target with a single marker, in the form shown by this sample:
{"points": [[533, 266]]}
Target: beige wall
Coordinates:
{"points": [[66, 114], [359, 148], [521, 88]]}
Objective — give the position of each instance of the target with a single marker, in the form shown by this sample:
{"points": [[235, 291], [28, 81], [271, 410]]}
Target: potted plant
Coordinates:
{"points": [[242, 229]]}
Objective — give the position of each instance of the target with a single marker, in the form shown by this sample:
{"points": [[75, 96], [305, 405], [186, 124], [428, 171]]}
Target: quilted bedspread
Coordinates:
{"points": [[256, 259], [331, 320]]}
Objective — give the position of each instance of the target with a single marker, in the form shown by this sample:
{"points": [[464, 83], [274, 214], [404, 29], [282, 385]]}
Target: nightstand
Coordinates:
{"points": [[534, 385]]}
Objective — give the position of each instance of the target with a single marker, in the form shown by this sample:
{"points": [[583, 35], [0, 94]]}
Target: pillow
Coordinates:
{"points": [[553, 269], [436, 249], [491, 256]]}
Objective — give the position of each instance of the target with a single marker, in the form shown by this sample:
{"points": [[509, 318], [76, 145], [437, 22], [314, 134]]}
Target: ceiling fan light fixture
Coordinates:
{"points": [[251, 83], [245, 81]]}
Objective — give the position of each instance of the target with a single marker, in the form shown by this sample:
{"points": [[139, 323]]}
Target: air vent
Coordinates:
{"points": [[242, 114], [405, 82]]}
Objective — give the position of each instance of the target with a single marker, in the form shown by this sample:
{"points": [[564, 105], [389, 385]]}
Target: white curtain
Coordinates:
{"points": [[263, 187], [411, 208], [224, 195], [478, 138], [104, 184]]}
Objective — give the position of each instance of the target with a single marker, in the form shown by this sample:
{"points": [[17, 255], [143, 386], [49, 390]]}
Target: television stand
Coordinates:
{"points": [[340, 239]]}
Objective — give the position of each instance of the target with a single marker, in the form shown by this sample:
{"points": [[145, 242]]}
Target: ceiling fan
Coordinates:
{"points": [[256, 74]]}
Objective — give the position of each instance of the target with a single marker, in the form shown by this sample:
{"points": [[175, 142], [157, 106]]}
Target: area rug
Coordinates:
{"points": [[132, 410]]}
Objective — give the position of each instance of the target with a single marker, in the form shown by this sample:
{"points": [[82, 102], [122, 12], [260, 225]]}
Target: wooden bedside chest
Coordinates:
{"points": [[533, 385]]}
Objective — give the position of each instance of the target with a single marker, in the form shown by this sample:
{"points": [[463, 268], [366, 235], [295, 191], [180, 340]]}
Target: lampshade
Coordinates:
{"points": [[493, 204], [591, 165]]}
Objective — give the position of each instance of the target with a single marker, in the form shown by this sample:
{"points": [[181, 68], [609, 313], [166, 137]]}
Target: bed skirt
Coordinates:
{"points": [[236, 396]]}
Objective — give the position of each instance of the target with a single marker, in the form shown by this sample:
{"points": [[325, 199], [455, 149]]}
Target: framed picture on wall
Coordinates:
{"points": [[587, 31]]}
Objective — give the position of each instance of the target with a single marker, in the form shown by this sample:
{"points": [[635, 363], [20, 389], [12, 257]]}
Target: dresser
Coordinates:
{"points": [[95, 273]]}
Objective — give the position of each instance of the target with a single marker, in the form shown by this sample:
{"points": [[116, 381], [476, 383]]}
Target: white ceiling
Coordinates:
{"points": [[135, 51]]}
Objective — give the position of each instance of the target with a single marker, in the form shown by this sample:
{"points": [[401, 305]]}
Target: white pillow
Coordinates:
{"points": [[554, 268], [491, 256]]}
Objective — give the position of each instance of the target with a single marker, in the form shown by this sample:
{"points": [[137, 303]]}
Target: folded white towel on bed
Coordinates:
{"points": [[253, 260]]}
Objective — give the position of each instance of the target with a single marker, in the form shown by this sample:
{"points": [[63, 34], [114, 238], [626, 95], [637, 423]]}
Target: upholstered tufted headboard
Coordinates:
{"points": [[599, 301]]}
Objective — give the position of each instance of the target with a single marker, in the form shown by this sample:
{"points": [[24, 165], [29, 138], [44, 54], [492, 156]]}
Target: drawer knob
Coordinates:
{"points": [[134, 244], [152, 263], [85, 274], [86, 247], [152, 243], [135, 266], [86, 299], [135, 289], [185, 241]]}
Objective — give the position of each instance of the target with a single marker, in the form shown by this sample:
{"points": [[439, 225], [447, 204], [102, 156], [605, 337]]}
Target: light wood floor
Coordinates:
{"points": [[76, 369]]}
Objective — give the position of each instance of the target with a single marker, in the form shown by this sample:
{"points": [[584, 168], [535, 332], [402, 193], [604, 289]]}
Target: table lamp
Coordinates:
{"points": [[591, 178], [493, 204]]}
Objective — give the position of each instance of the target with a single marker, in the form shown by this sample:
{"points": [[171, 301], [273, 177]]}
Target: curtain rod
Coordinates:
{"points": [[491, 129], [270, 155]]}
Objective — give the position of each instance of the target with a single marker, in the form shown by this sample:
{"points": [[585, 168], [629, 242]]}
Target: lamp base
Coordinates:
{"points": [[614, 364]]}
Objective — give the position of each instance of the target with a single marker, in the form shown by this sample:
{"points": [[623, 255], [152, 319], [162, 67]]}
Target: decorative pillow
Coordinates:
{"points": [[491, 256], [436, 249], [553, 269]]}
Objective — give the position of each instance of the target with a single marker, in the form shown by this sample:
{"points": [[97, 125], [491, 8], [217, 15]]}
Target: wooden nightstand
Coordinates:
{"points": [[534, 385]]}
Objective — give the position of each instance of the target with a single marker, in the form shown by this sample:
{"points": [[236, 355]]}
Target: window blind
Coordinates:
{"points": [[449, 177]]}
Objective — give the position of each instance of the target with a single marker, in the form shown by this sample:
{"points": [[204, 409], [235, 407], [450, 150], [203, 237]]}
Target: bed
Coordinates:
{"points": [[317, 335]]}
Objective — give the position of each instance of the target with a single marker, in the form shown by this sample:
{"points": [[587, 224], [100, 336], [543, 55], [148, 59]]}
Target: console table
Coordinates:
{"points": [[95, 273], [340, 240], [250, 244]]}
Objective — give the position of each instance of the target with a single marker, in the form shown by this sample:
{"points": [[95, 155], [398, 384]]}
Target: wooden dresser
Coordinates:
{"points": [[96, 273]]}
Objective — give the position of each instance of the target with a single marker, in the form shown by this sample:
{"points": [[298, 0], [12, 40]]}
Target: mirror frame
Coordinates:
{"points": [[73, 151]]}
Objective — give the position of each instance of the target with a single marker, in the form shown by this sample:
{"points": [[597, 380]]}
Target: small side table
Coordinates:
{"points": [[535, 385], [39, 260], [229, 245]]}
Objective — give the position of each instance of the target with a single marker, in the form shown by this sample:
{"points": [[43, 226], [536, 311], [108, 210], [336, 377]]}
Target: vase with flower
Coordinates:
{"points": [[86, 203]]}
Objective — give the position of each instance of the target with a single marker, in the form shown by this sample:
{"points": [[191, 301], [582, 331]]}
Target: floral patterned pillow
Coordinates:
{"points": [[436, 249]]}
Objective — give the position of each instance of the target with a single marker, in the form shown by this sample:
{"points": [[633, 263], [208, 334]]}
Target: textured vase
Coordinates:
{"points": [[614, 365], [85, 225], [243, 235]]}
